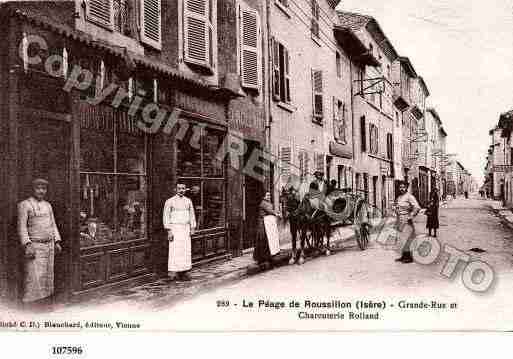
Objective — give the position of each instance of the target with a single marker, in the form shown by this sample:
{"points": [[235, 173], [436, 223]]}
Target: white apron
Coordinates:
{"points": [[272, 233], [179, 248], [38, 279]]}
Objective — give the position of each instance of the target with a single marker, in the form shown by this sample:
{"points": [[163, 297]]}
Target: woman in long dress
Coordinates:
{"points": [[263, 252], [406, 207], [432, 213]]}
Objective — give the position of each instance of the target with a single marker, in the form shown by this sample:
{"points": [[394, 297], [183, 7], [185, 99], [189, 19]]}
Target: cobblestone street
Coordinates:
{"points": [[350, 275]]}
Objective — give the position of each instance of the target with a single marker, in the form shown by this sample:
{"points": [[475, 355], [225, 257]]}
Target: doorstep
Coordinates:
{"points": [[164, 292]]}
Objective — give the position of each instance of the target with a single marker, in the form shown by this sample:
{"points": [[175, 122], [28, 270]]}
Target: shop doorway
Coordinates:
{"points": [[253, 192], [44, 151]]}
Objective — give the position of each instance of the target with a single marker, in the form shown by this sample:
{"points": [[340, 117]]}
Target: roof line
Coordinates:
{"points": [[80, 36]]}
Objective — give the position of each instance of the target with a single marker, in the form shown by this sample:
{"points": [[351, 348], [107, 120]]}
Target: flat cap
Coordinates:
{"points": [[39, 182]]}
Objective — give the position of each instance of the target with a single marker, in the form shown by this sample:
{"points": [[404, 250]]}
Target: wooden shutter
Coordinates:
{"points": [[100, 12], [319, 162], [376, 129], [363, 134], [286, 159], [249, 36], [342, 122], [286, 72], [389, 146], [336, 123], [317, 94], [315, 18], [303, 163], [151, 32], [197, 32], [276, 69], [307, 163]]}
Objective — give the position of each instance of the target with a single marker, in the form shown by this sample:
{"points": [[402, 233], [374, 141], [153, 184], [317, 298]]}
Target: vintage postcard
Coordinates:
{"points": [[255, 165]]}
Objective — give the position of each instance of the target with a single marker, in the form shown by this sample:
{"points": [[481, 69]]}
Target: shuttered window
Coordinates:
{"points": [[286, 75], [319, 162], [339, 120], [281, 72], [317, 95], [390, 146], [249, 40], [374, 139], [303, 164], [338, 64], [286, 159], [363, 134], [100, 12], [276, 69], [315, 18], [199, 32], [151, 32]]}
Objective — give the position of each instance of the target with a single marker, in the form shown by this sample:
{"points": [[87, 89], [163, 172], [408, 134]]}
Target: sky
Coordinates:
{"points": [[464, 51]]}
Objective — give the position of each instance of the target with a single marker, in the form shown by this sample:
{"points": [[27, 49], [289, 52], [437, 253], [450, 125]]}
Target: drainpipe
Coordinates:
{"points": [[352, 123], [267, 90]]}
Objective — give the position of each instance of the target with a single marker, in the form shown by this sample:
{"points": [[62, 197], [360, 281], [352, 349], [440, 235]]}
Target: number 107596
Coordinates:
{"points": [[67, 350]]}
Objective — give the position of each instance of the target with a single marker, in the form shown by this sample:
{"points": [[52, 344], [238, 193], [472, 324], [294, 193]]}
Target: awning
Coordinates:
{"points": [[340, 150]]}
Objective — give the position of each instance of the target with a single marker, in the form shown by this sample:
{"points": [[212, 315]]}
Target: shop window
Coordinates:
{"points": [[113, 183], [203, 174]]}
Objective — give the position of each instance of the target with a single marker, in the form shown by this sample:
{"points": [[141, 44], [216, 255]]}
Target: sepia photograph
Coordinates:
{"points": [[255, 166]]}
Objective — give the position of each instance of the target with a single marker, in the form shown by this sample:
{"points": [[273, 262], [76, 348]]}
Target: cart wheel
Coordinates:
{"points": [[362, 238]]}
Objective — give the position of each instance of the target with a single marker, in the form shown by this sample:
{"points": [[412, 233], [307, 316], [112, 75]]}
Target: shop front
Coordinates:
{"points": [[109, 176]]}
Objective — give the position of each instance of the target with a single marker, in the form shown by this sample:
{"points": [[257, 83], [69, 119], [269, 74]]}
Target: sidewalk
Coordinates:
{"points": [[504, 213], [164, 292]]}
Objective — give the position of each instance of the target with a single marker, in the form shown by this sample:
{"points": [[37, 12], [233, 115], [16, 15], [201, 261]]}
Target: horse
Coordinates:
{"points": [[292, 212], [317, 220], [306, 216]]}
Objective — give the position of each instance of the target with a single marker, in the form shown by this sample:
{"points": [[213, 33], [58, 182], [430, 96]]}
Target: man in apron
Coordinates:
{"points": [[40, 239], [180, 222]]}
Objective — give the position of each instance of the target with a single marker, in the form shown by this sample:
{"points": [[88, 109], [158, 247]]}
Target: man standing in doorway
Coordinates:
{"points": [[40, 239], [180, 222]]}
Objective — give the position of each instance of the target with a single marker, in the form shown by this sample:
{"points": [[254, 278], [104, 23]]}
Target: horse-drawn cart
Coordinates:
{"points": [[315, 216]]}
